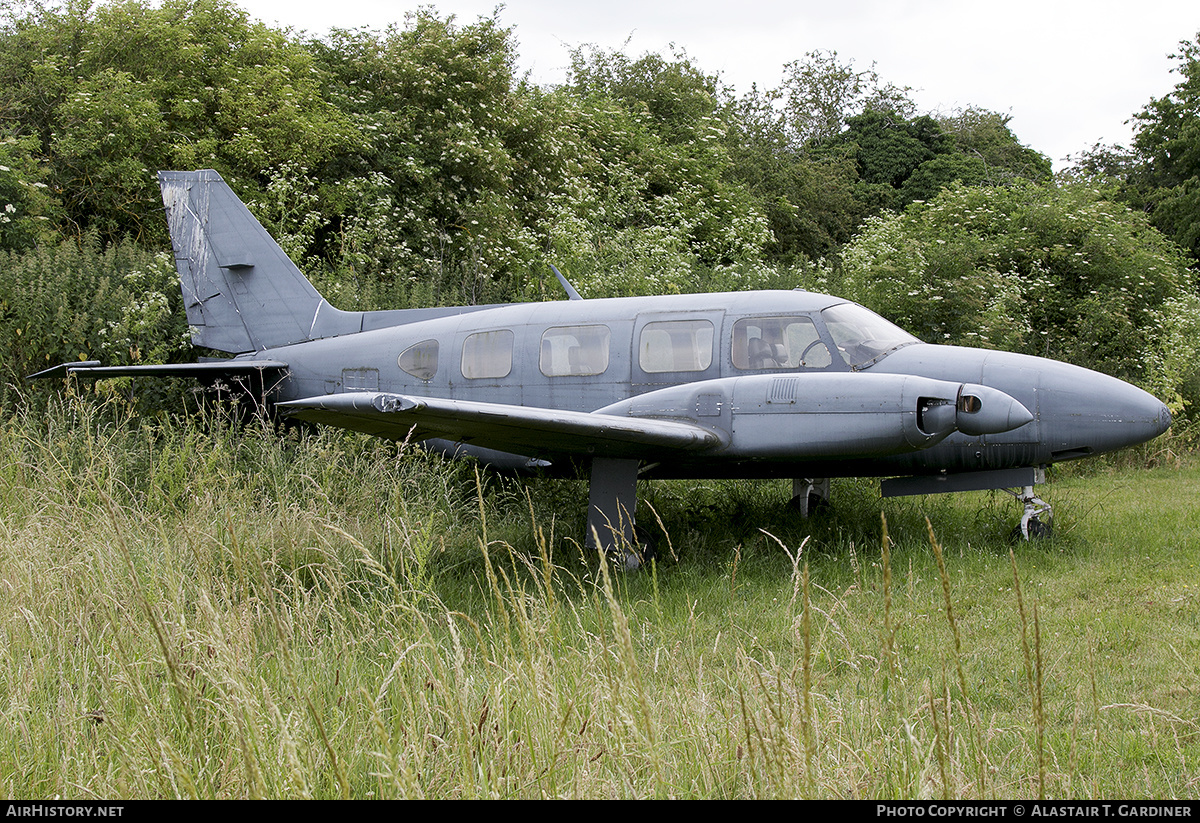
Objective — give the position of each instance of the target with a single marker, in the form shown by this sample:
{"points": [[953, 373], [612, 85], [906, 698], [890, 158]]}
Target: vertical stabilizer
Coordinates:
{"points": [[241, 291]]}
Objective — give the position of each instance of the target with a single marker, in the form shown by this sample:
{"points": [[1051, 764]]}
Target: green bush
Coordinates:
{"points": [[73, 301], [1049, 270]]}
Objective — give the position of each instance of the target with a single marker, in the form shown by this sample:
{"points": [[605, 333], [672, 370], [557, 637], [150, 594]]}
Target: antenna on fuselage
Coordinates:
{"points": [[570, 290]]}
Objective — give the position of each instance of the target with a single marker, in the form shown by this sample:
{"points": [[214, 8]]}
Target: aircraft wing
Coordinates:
{"points": [[517, 429]]}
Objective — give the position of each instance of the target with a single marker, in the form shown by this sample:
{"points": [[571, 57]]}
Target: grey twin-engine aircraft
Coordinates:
{"points": [[749, 384]]}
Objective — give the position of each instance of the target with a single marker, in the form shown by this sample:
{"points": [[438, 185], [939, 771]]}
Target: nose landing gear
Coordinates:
{"points": [[1037, 521]]}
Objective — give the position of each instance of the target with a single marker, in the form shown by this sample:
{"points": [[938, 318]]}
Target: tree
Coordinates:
{"points": [[678, 98], [778, 140], [886, 149], [900, 159], [655, 175], [1050, 270], [28, 210], [984, 135], [437, 189], [808, 201], [1168, 144], [820, 95], [833, 145], [105, 96]]}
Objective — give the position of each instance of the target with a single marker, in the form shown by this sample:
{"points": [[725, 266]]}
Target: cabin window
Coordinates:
{"points": [[487, 354], [675, 346], [786, 342], [420, 359], [568, 350]]}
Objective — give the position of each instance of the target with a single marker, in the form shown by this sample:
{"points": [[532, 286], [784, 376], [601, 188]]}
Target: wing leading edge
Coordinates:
{"points": [[518, 429]]}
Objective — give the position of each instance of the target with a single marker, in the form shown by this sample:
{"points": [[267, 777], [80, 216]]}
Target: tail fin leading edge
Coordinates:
{"points": [[241, 291]]}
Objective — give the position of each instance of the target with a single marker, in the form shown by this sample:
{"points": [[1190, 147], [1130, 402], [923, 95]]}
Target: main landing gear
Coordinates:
{"points": [[810, 495], [612, 503]]}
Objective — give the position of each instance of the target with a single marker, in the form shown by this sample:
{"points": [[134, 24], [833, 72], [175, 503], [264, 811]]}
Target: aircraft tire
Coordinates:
{"points": [[1037, 530]]}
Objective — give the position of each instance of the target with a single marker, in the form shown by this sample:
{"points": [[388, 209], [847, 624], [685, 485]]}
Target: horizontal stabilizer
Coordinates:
{"points": [[515, 429], [212, 368]]}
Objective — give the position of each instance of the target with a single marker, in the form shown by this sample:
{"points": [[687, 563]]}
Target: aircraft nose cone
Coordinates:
{"points": [[984, 410], [1086, 410], [1139, 415], [1164, 420]]}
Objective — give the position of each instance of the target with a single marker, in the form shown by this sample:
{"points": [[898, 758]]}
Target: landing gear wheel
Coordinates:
{"points": [[647, 545], [626, 560], [1038, 529], [642, 553], [810, 495], [817, 504]]}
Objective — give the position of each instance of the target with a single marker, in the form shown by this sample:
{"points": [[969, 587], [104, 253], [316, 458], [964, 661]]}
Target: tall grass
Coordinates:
{"points": [[196, 609]]}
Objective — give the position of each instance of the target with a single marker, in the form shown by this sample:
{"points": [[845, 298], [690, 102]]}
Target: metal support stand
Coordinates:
{"points": [[809, 494], [612, 502]]}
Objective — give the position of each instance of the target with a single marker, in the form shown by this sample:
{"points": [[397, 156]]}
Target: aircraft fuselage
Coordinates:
{"points": [[587, 355]]}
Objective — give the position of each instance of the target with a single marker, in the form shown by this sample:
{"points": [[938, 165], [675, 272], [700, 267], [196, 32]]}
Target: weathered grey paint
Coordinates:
{"points": [[895, 408]]}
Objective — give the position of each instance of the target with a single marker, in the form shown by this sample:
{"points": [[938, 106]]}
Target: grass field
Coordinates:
{"points": [[194, 610]]}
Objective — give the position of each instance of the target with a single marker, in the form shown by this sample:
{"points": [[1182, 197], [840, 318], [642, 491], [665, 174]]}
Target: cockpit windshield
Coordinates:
{"points": [[861, 335]]}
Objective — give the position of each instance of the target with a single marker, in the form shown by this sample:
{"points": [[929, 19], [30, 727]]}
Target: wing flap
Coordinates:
{"points": [[516, 429]]}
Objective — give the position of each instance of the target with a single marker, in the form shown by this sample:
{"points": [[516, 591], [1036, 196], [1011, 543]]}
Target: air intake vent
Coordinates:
{"points": [[783, 390]]}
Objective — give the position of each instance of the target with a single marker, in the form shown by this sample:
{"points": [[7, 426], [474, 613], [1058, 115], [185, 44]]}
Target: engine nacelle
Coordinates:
{"points": [[844, 414]]}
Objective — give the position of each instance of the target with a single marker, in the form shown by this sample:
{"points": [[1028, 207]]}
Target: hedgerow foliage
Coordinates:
{"points": [[1050, 270], [78, 301], [415, 166], [415, 163]]}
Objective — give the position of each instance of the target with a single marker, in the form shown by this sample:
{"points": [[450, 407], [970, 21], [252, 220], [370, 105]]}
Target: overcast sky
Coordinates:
{"points": [[1069, 72]]}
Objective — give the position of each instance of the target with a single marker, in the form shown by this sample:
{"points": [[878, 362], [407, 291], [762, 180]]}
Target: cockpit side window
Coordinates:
{"points": [[784, 342]]}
